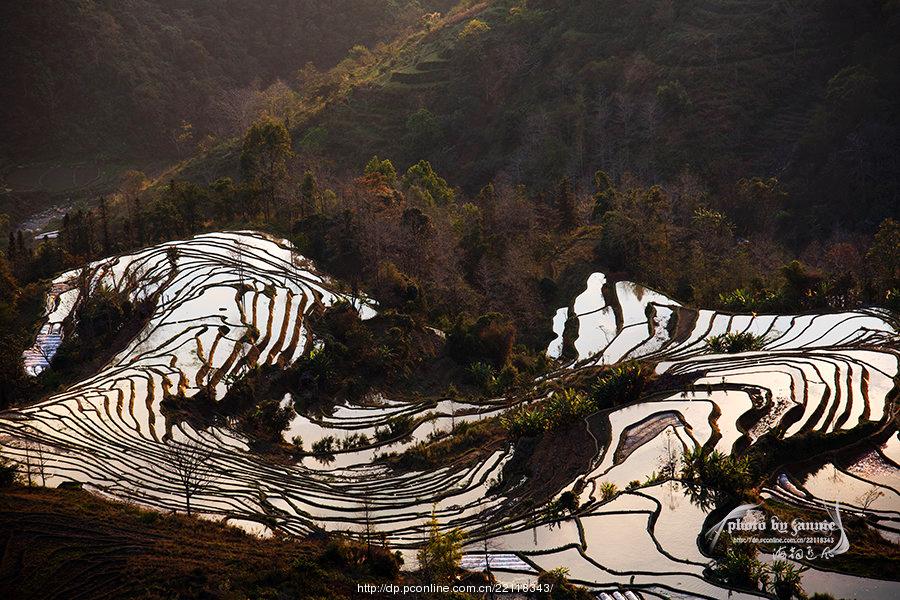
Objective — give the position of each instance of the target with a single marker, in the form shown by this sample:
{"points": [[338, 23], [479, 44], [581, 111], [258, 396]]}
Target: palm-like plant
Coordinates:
{"points": [[785, 580]]}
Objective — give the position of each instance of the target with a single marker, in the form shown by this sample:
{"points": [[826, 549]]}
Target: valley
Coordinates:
{"points": [[228, 303]]}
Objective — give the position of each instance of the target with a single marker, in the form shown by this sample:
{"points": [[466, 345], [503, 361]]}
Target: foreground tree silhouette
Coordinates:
{"points": [[190, 462]]}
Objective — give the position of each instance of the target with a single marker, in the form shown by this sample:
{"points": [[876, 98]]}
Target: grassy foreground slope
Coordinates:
{"points": [[70, 544]]}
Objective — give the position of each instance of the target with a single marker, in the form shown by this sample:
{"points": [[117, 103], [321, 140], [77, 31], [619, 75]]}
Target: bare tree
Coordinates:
{"points": [[40, 461], [369, 529], [190, 461], [868, 498]]}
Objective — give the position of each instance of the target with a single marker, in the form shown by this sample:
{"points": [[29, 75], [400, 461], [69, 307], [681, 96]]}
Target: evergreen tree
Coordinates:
{"points": [[566, 205], [309, 195], [104, 224], [266, 150], [604, 194]]}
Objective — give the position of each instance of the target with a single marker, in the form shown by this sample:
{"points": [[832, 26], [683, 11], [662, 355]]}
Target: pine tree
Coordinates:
{"points": [[566, 205], [104, 223]]}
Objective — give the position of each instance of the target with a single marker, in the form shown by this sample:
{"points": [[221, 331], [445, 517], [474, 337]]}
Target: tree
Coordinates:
{"points": [[604, 194], [472, 243], [369, 529], [35, 462], [8, 473], [133, 183], [802, 285], [310, 199], [165, 219], [383, 169], [759, 205], [189, 201], [884, 259], [673, 97], [266, 150], [190, 462], [423, 131], [439, 558], [104, 224], [431, 188], [566, 205], [20, 243], [868, 498]]}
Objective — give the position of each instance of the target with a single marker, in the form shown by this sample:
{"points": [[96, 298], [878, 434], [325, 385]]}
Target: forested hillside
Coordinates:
{"points": [[157, 76], [527, 92]]}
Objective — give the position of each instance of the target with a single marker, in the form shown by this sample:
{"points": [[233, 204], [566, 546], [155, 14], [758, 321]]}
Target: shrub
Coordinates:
{"points": [[483, 375], [608, 490], [399, 426], [559, 588], [266, 422], [733, 343], [384, 563], [713, 477], [567, 502], [560, 409], [473, 30], [673, 97], [340, 552], [740, 567], [785, 580], [619, 385], [489, 339], [744, 300], [8, 473]]}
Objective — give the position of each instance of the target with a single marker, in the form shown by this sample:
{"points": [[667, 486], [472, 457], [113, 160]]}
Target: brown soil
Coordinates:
{"points": [[69, 544]]}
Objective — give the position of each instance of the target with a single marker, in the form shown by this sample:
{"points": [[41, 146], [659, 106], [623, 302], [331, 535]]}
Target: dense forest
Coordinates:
{"points": [[150, 77], [525, 93]]}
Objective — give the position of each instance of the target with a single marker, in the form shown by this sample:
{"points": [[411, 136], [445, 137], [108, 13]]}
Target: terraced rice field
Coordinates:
{"points": [[229, 301]]}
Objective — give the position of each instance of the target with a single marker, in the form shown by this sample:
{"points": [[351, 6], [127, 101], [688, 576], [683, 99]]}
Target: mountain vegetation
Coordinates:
{"points": [[66, 543], [466, 165], [159, 77]]}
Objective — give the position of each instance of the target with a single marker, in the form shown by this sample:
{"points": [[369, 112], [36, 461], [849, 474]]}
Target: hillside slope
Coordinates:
{"points": [[526, 92], [72, 544], [120, 77]]}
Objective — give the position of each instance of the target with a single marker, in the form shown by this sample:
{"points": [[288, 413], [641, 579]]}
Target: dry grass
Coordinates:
{"points": [[70, 544]]}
